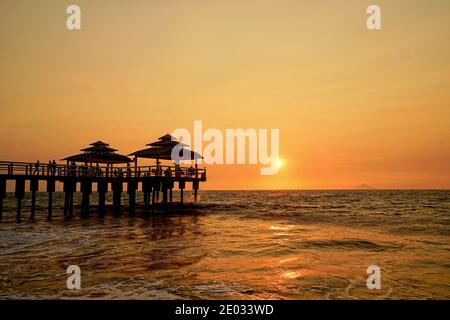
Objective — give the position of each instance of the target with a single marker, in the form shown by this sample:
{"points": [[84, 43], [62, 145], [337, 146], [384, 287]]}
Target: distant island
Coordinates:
{"points": [[365, 187]]}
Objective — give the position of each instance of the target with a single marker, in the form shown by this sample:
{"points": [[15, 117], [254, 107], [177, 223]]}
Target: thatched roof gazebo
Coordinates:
{"points": [[99, 152], [162, 150]]}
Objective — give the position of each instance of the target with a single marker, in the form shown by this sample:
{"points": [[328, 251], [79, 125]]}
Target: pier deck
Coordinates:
{"points": [[74, 178]]}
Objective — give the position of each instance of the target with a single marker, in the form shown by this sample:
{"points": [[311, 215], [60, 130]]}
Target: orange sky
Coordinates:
{"points": [[353, 106]]}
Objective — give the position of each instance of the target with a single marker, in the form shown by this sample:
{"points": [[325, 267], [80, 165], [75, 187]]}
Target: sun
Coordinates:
{"points": [[279, 163]]}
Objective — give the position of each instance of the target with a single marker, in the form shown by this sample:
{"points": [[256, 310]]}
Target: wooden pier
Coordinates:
{"points": [[80, 178]]}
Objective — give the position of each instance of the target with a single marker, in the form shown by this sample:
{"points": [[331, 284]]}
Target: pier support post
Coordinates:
{"points": [[2, 195], [69, 188], [155, 192], [71, 203], [181, 186], [158, 189], [164, 192], [149, 196], [86, 190], [102, 189], [74, 189], [101, 202], [153, 198], [146, 199], [131, 190], [50, 190], [19, 194], [146, 189], [66, 203], [171, 185], [195, 186], [34, 187], [117, 194]]}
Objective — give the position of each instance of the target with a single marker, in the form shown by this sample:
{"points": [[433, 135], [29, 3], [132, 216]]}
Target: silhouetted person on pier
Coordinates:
{"points": [[53, 167], [91, 171], [71, 168], [84, 170], [49, 168], [98, 171], [36, 168], [178, 171]]}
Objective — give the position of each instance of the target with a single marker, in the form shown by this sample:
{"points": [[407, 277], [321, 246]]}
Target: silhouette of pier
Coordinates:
{"points": [[104, 168]]}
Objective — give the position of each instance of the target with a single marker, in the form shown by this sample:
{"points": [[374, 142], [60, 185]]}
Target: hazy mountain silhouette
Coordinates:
{"points": [[365, 187]]}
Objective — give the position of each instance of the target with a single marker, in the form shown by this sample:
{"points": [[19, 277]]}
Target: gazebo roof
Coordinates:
{"points": [[162, 149], [99, 149], [167, 141], [166, 153], [99, 143], [100, 152]]}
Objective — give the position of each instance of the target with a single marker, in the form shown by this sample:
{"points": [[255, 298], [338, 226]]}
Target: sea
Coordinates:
{"points": [[234, 245]]}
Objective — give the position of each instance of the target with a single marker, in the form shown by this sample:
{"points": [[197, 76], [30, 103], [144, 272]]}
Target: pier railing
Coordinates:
{"points": [[71, 170]]}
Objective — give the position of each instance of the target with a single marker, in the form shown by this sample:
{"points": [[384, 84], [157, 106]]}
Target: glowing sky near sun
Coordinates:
{"points": [[353, 106]]}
